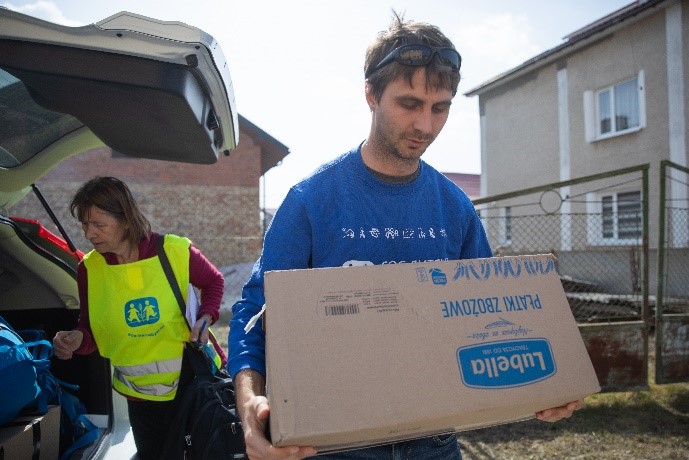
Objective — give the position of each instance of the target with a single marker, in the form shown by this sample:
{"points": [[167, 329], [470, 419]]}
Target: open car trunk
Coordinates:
{"points": [[38, 291], [146, 89]]}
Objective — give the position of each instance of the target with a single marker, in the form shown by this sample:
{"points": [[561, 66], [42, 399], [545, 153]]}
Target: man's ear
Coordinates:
{"points": [[370, 98]]}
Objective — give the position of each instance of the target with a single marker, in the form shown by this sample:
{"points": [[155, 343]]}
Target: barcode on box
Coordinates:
{"points": [[346, 309]]}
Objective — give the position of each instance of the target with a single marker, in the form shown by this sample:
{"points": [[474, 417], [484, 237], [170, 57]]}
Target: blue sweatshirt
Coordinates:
{"points": [[344, 215]]}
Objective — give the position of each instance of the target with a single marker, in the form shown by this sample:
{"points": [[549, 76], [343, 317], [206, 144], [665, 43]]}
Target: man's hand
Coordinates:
{"points": [[66, 342], [557, 413], [254, 412]]}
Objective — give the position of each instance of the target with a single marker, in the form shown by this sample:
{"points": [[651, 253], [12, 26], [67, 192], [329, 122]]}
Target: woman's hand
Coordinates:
{"points": [[199, 333], [66, 342]]}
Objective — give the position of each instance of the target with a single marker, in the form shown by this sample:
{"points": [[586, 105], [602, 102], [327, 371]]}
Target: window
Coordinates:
{"points": [[25, 127], [615, 110], [620, 221], [618, 108], [629, 215]]}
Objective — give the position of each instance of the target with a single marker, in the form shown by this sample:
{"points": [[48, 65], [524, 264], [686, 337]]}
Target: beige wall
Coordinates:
{"points": [[617, 58], [521, 133]]}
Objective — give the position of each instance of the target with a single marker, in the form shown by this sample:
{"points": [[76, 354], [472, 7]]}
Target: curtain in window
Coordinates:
{"points": [[608, 216], [626, 105], [629, 215], [621, 216], [604, 111]]}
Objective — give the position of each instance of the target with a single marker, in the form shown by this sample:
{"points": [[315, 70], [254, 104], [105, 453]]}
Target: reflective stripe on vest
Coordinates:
{"points": [[123, 375]]}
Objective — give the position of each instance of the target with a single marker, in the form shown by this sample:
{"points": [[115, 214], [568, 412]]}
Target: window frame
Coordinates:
{"points": [[592, 109], [596, 228]]}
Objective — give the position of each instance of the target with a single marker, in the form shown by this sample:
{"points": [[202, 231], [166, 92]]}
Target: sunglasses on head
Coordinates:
{"points": [[418, 55]]}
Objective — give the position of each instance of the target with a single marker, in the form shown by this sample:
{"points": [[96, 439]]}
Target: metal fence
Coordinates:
{"points": [[602, 283], [598, 228], [595, 226], [672, 305]]}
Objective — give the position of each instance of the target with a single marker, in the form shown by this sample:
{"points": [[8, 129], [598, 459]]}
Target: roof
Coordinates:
{"points": [[470, 183], [272, 150], [574, 41]]}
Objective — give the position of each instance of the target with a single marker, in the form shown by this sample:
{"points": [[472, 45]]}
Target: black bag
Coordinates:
{"points": [[206, 424]]}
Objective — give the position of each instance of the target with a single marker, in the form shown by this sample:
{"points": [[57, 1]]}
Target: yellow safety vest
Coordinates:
{"points": [[136, 320]]}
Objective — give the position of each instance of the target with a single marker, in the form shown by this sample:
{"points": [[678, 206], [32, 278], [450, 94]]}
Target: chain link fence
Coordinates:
{"points": [[602, 283], [672, 318], [675, 267], [595, 226], [673, 273]]}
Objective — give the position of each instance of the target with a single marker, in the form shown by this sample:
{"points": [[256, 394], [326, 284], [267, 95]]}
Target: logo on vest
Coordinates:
{"points": [[140, 312]]}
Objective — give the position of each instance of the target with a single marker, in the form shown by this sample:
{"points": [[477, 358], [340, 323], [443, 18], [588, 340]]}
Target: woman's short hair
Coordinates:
{"points": [[114, 197]]}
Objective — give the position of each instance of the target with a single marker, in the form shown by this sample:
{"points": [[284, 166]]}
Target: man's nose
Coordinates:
{"points": [[424, 121]]}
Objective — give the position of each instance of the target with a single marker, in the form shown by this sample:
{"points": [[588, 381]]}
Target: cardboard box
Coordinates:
{"points": [[30, 434], [373, 354]]}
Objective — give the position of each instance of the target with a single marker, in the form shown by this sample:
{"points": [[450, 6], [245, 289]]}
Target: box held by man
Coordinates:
{"points": [[374, 354]]}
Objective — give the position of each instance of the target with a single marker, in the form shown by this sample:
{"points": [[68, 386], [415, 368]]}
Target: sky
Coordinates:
{"points": [[297, 66]]}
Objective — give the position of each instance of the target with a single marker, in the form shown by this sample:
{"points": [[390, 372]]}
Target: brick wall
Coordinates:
{"points": [[216, 206]]}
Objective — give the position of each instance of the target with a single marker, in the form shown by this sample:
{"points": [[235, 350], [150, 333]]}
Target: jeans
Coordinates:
{"points": [[439, 447]]}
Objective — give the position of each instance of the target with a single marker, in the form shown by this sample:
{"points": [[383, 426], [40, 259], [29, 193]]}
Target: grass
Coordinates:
{"points": [[639, 425], [651, 424]]}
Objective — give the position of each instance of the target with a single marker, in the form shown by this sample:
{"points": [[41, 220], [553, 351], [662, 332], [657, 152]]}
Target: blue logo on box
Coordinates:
{"points": [[506, 364], [438, 276]]}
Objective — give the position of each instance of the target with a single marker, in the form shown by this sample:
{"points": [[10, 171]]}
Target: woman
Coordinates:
{"points": [[128, 311]]}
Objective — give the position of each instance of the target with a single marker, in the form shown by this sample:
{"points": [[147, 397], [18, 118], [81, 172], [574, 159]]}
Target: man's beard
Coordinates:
{"points": [[394, 148]]}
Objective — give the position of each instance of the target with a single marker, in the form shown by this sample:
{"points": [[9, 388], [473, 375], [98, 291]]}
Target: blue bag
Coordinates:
{"points": [[76, 430], [18, 371], [27, 383], [42, 351]]}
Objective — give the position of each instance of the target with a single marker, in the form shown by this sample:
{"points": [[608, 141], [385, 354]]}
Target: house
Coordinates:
{"points": [[574, 144], [470, 183], [614, 94], [217, 206]]}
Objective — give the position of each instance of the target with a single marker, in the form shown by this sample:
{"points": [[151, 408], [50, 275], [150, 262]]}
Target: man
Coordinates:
{"points": [[377, 204]]}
